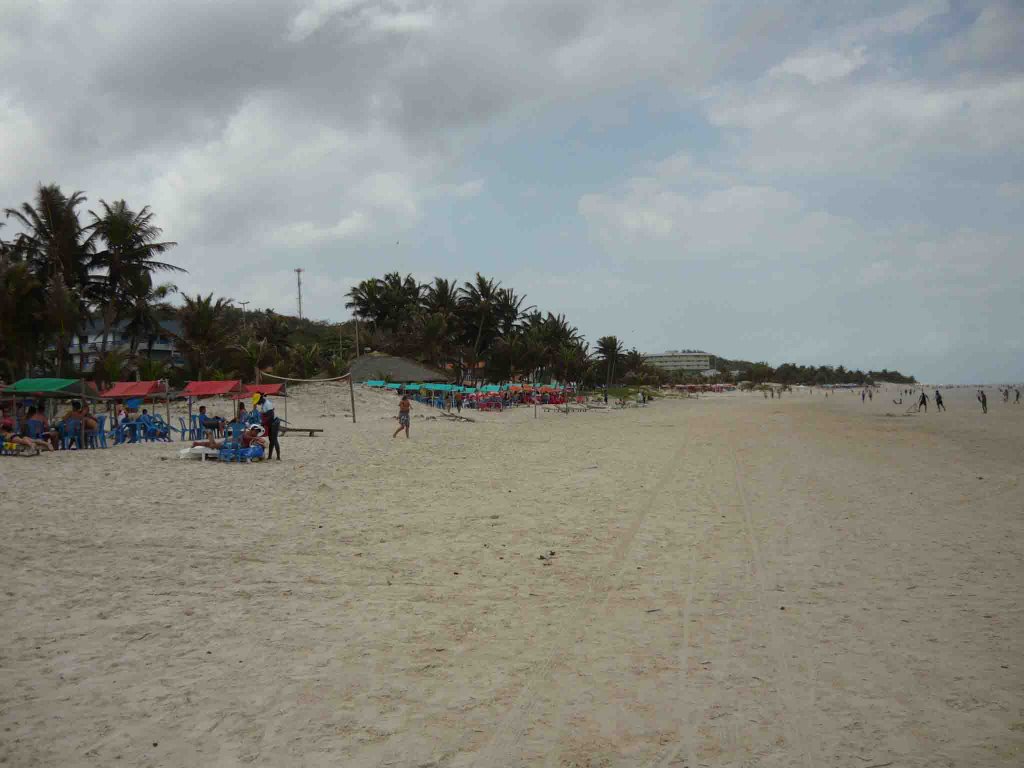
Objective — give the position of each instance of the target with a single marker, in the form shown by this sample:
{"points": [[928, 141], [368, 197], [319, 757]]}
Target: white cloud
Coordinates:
{"points": [[821, 66]]}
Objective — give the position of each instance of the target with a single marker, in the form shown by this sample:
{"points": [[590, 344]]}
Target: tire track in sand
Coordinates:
{"points": [[791, 723], [498, 752]]}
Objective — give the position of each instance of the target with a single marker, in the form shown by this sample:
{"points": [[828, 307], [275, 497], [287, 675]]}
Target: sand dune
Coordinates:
{"points": [[715, 581]]}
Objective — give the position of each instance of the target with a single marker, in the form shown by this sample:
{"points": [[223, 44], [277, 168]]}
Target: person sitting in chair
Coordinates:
{"points": [[214, 423], [81, 413]]}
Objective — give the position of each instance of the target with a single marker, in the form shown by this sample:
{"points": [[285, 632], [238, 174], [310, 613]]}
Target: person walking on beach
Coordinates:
{"points": [[923, 402], [938, 401], [1016, 400], [404, 408], [983, 400]]}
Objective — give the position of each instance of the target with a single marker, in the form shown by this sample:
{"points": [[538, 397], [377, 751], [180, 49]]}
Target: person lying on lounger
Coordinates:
{"points": [[252, 435], [22, 440]]}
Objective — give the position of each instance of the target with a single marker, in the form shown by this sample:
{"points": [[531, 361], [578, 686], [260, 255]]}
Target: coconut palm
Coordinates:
{"points": [[477, 302], [609, 349], [56, 249], [129, 242], [204, 331], [21, 317], [256, 354]]}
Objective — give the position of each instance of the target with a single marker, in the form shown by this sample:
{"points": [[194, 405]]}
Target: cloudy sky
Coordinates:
{"points": [[815, 182]]}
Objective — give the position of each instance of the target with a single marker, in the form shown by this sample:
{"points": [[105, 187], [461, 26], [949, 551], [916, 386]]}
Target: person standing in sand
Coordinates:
{"points": [[983, 399], [923, 402], [404, 409], [938, 401]]}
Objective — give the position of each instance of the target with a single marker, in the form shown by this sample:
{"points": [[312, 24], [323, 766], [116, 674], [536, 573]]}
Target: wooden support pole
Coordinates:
{"points": [[352, 396]]}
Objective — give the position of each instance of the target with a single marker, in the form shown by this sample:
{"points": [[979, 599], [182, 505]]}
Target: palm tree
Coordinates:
{"points": [[21, 317], [477, 301], [255, 353], [609, 349], [203, 331], [440, 325], [508, 309], [145, 305], [54, 245], [130, 241]]}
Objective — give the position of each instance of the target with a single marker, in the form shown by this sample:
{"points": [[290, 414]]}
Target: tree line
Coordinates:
{"points": [[67, 266]]}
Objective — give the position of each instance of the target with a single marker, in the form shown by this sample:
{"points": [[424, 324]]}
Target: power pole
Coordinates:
{"points": [[298, 280]]}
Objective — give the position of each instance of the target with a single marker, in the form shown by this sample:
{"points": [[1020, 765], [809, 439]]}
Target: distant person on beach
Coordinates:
{"points": [[923, 402], [983, 399], [863, 394], [1017, 398], [871, 395], [938, 401], [404, 409]]}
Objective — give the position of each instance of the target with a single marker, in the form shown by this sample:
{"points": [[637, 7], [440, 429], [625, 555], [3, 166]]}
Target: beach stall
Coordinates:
{"points": [[50, 390], [197, 390], [139, 390]]}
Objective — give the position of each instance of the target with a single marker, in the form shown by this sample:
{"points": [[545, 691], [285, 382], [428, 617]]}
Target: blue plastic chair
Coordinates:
{"points": [[71, 432], [231, 450], [159, 429], [97, 438]]}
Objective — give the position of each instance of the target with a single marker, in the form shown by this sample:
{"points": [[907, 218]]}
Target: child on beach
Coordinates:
{"points": [[404, 408]]}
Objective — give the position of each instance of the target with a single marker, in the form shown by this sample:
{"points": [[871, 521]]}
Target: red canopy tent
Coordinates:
{"points": [[126, 389], [197, 389], [270, 390], [211, 388]]}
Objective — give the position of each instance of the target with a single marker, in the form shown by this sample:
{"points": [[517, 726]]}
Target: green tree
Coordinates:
{"points": [[57, 250], [127, 243], [204, 332]]}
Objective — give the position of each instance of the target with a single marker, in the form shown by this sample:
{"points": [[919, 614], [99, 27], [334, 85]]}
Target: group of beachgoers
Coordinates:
{"points": [[260, 427], [35, 433]]}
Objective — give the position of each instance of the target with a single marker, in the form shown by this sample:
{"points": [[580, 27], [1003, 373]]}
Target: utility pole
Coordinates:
{"points": [[298, 280]]}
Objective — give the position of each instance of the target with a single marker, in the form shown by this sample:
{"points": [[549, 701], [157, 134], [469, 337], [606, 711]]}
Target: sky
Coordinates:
{"points": [[807, 182]]}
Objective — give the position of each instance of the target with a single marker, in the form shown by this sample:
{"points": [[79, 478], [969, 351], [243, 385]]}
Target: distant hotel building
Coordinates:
{"points": [[84, 349], [687, 360]]}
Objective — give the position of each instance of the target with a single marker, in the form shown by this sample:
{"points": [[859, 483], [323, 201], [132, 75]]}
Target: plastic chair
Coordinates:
{"points": [[231, 450], [158, 429], [97, 438], [71, 432]]}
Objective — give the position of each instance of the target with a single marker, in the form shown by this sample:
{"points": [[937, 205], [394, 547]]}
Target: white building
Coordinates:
{"points": [[685, 360]]}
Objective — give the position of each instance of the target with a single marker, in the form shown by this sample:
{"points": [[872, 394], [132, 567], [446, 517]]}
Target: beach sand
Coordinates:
{"points": [[723, 581]]}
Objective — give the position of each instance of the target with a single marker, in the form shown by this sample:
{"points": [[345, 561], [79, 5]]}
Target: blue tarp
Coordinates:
{"points": [[375, 383]]}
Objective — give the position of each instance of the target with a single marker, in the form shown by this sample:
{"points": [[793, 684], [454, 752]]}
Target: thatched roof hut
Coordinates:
{"points": [[401, 370]]}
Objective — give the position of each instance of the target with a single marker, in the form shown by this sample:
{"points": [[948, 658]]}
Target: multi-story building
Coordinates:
{"points": [[84, 349], [689, 360]]}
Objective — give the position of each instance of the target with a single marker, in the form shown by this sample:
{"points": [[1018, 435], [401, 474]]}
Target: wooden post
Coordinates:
{"points": [[167, 400], [352, 396]]}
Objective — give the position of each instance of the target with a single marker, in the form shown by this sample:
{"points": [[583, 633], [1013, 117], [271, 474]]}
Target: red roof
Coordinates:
{"points": [[211, 388], [264, 389], [123, 389]]}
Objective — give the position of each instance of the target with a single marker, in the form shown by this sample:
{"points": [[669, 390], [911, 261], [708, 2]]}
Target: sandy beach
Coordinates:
{"points": [[723, 581]]}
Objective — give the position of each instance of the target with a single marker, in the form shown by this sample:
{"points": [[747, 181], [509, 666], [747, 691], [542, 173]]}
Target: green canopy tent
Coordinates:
{"points": [[52, 389]]}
